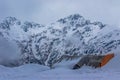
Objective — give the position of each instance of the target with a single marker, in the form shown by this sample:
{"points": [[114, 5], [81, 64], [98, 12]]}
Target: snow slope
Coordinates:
{"points": [[62, 71]]}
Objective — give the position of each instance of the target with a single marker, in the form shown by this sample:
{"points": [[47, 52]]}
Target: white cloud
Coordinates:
{"points": [[8, 51]]}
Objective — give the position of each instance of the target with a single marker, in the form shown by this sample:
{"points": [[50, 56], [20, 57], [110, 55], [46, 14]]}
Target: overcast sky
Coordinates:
{"points": [[47, 11]]}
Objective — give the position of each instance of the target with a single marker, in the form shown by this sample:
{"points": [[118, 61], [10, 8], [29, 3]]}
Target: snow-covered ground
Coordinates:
{"points": [[62, 71]]}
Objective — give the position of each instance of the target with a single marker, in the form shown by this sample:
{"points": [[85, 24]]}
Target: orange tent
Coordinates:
{"points": [[106, 59], [96, 61]]}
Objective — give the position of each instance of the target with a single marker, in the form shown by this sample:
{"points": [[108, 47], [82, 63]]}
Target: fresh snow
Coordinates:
{"points": [[62, 71]]}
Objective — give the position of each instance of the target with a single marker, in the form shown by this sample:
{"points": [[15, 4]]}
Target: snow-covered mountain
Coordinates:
{"points": [[13, 29], [72, 35]]}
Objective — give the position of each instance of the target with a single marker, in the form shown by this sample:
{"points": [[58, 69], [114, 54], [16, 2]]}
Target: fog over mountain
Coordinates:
{"points": [[9, 51]]}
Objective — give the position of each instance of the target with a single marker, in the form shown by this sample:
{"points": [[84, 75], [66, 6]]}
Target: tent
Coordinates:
{"points": [[95, 61]]}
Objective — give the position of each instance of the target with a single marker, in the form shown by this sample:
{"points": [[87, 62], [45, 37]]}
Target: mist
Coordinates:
{"points": [[9, 51]]}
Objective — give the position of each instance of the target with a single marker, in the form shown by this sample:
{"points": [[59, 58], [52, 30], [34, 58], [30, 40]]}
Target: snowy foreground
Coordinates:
{"points": [[62, 71]]}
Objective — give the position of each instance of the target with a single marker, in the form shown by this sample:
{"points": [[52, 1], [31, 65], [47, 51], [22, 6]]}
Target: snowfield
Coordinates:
{"points": [[62, 71]]}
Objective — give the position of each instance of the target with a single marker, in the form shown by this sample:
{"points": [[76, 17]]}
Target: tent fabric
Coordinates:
{"points": [[106, 59], [95, 61]]}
